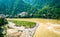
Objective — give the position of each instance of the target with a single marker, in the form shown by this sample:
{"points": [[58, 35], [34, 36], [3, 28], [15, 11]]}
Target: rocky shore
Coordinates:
{"points": [[15, 31]]}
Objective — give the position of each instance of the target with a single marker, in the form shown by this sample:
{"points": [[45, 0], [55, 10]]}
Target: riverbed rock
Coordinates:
{"points": [[20, 31]]}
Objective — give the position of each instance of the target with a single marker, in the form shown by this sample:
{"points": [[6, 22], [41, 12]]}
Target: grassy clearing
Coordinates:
{"points": [[24, 23]]}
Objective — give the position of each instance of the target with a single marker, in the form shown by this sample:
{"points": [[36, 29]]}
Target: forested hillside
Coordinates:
{"points": [[33, 8]]}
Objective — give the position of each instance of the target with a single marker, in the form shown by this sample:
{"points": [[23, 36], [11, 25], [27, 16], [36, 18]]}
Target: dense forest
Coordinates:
{"points": [[30, 8]]}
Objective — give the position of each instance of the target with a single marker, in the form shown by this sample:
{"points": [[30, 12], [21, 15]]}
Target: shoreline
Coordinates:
{"points": [[25, 32]]}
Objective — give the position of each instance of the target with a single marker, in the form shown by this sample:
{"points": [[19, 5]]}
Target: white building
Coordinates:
{"points": [[23, 14]]}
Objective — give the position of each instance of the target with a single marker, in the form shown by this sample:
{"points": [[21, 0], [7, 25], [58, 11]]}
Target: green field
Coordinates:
{"points": [[26, 24]]}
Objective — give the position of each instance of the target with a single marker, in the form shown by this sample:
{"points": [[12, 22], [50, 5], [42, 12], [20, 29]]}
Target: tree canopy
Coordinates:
{"points": [[38, 8]]}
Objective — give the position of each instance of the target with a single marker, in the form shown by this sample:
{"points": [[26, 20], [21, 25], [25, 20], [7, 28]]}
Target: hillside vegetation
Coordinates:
{"points": [[34, 8]]}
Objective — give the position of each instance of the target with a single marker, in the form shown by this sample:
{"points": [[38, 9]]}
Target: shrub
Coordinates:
{"points": [[3, 21]]}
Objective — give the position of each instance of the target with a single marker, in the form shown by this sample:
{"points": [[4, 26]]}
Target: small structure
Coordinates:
{"points": [[2, 15], [23, 14]]}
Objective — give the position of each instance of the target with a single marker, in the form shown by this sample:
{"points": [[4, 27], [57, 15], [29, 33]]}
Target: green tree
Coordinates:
{"points": [[3, 22]]}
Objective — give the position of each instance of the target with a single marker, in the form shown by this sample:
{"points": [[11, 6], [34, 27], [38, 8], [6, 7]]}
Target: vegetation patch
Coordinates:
{"points": [[26, 24], [3, 23]]}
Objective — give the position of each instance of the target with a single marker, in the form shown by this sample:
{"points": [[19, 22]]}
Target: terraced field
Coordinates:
{"points": [[46, 28]]}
